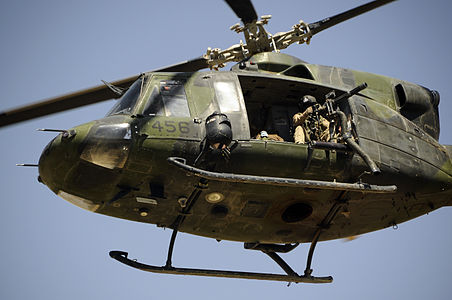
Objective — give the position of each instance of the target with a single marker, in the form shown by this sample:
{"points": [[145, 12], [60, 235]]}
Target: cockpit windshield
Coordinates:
{"points": [[127, 102]]}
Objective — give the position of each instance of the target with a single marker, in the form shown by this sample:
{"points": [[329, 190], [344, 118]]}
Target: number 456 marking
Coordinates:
{"points": [[171, 126]]}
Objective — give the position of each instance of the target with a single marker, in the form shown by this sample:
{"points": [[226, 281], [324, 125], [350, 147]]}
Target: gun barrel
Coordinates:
{"points": [[354, 91]]}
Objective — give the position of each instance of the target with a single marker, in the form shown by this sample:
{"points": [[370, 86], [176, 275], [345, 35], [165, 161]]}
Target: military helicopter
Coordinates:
{"points": [[136, 202]]}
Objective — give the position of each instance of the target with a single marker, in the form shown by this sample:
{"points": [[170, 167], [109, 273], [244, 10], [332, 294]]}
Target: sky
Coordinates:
{"points": [[51, 249]]}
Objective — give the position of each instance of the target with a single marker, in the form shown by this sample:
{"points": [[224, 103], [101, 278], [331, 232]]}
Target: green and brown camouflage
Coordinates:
{"points": [[187, 150], [123, 171]]}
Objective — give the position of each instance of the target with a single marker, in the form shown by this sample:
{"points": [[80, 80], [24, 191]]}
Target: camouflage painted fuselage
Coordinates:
{"points": [[125, 173]]}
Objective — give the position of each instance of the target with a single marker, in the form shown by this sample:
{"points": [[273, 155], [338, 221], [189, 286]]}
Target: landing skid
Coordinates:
{"points": [[122, 257], [269, 249]]}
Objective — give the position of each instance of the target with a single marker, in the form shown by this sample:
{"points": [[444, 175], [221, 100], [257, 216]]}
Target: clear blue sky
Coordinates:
{"points": [[51, 249]]}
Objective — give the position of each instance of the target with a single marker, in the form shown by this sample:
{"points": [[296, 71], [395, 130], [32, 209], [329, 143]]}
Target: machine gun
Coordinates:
{"points": [[346, 135], [315, 123], [332, 100]]}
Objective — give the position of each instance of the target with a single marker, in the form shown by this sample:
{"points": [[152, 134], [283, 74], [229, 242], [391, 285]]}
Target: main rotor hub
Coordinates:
{"points": [[258, 40]]}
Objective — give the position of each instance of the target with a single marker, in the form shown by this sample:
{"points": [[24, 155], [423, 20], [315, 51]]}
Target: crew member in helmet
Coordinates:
{"points": [[309, 126]]}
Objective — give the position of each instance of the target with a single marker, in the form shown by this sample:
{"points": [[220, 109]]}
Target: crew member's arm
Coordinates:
{"points": [[299, 118]]}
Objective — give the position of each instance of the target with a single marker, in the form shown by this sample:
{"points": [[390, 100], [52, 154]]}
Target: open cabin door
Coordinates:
{"points": [[271, 102]]}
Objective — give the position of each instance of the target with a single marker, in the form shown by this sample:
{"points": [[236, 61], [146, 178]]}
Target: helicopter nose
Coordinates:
{"points": [[59, 167], [59, 156], [83, 165]]}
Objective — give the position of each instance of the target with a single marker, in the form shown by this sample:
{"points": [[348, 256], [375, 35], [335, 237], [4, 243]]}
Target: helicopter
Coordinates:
{"points": [[182, 127]]}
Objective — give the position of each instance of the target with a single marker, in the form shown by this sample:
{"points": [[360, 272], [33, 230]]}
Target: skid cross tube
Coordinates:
{"points": [[281, 263], [181, 218], [268, 249], [326, 222]]}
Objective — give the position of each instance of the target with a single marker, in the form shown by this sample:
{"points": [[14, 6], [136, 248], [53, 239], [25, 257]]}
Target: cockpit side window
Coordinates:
{"points": [[127, 102], [167, 99], [154, 105], [227, 96]]}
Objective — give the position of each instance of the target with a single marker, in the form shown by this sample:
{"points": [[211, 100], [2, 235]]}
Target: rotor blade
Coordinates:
{"points": [[318, 26], [87, 96], [62, 103], [192, 65], [244, 9]]}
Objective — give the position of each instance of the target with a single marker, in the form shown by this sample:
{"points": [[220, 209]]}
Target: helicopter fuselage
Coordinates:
{"points": [[118, 165]]}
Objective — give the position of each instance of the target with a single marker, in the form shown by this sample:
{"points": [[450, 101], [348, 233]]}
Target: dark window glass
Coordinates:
{"points": [[168, 99], [154, 105], [126, 103]]}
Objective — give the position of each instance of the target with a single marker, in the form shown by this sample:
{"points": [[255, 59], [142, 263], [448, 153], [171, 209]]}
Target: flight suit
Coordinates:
{"points": [[301, 134], [263, 135]]}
